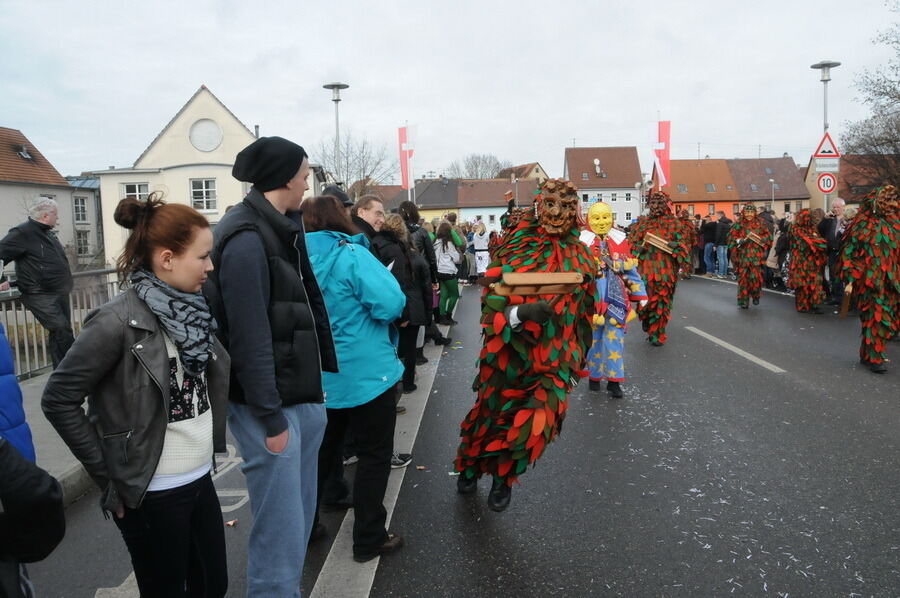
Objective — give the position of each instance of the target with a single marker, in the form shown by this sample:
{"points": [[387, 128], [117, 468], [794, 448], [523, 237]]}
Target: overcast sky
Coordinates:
{"points": [[91, 83]]}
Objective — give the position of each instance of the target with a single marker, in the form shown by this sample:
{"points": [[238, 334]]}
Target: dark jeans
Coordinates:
{"points": [[52, 311], [406, 351], [372, 427], [176, 539]]}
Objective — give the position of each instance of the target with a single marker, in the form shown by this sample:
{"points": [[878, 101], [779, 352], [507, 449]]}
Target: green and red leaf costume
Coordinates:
{"points": [[525, 374], [870, 261], [658, 268], [749, 257], [808, 257]]}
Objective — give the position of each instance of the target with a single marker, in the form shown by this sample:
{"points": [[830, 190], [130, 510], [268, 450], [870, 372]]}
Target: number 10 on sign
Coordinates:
{"points": [[826, 182]]}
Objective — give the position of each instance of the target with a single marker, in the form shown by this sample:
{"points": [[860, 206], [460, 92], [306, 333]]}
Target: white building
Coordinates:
{"points": [[606, 174], [190, 162], [486, 199]]}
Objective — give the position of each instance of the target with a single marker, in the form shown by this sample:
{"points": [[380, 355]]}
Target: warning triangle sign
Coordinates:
{"points": [[827, 148]]}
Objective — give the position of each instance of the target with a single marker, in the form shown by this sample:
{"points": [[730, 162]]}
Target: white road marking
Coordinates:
{"points": [[761, 362], [341, 576], [128, 589]]}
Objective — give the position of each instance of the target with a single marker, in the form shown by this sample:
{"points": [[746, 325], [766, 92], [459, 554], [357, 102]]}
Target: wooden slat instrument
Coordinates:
{"points": [[756, 238], [533, 283], [658, 242]]}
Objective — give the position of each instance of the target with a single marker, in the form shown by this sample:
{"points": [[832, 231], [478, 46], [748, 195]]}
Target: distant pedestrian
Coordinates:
{"points": [[273, 321], [708, 234], [448, 258], [480, 242], [42, 274], [368, 215], [157, 380], [363, 300], [723, 227], [13, 426]]}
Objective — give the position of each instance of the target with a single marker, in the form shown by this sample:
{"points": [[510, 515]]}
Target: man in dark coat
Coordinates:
{"points": [[42, 274]]}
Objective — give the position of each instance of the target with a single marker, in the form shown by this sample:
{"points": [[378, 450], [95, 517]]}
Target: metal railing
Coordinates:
{"points": [[28, 339]]}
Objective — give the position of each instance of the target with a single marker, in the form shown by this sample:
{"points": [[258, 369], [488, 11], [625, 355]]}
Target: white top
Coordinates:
{"points": [[481, 241], [447, 259], [188, 445]]}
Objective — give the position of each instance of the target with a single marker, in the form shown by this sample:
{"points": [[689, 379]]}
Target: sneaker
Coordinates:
{"points": [[400, 409], [400, 460], [409, 389], [391, 545], [445, 340], [351, 460], [421, 360]]}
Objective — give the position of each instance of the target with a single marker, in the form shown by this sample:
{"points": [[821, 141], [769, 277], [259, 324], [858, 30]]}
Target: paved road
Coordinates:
{"points": [[714, 476]]}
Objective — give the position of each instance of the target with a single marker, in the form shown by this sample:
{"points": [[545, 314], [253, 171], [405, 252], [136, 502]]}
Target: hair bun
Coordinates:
{"points": [[131, 212]]}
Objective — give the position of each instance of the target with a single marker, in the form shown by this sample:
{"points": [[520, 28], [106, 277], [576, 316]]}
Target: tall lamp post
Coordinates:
{"points": [[825, 66], [772, 205], [336, 98]]}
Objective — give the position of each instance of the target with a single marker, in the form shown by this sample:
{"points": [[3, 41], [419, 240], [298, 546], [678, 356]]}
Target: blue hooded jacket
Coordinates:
{"points": [[12, 416], [363, 299]]}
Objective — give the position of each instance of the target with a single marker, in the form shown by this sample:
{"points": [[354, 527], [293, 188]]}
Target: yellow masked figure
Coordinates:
{"points": [[618, 285], [600, 219]]}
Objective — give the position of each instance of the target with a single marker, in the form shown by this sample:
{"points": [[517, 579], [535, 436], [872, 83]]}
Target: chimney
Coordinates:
{"points": [[256, 131], [112, 167]]}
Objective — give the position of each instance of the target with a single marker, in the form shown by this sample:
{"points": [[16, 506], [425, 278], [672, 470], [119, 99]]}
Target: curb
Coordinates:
{"points": [[75, 483]]}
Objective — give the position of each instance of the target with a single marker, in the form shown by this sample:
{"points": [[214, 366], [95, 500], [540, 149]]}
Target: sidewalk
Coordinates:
{"points": [[52, 453]]}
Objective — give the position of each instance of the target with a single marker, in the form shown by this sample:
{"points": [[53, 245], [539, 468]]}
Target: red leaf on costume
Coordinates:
{"points": [[495, 344], [537, 424], [504, 468], [495, 445], [521, 417], [499, 322]]}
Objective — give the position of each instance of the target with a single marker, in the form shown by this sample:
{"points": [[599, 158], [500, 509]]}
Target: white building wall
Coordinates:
{"points": [[15, 199], [490, 216], [625, 202]]}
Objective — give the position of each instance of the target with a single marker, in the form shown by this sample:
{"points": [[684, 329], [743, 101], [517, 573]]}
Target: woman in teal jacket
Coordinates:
{"points": [[363, 298]]}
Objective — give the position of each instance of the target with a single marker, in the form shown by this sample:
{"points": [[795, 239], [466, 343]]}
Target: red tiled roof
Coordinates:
{"points": [[859, 174], [620, 165], [752, 171], [519, 172], [14, 167], [486, 193], [694, 175]]}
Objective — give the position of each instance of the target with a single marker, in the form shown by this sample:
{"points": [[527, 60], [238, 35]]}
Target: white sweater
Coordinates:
{"points": [[447, 259]]}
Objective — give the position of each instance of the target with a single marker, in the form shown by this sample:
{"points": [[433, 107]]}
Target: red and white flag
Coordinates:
{"points": [[406, 154], [661, 151]]}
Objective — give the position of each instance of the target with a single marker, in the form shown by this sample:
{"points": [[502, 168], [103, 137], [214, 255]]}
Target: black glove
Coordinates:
{"points": [[537, 312], [674, 244]]}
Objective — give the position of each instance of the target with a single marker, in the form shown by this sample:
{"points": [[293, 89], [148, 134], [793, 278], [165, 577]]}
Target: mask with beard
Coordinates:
{"points": [[749, 213], [887, 201], [659, 204], [558, 207]]}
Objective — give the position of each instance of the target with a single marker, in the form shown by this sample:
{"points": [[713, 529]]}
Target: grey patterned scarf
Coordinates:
{"points": [[184, 316]]}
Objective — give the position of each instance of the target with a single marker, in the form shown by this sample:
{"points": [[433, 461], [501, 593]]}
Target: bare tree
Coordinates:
{"points": [[362, 163], [476, 166], [872, 145]]}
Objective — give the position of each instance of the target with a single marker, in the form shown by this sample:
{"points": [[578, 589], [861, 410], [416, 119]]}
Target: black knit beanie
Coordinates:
{"points": [[268, 162], [339, 194]]}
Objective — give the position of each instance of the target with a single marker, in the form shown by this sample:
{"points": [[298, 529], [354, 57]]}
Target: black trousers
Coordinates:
{"points": [[406, 350], [52, 311], [176, 539], [372, 427]]}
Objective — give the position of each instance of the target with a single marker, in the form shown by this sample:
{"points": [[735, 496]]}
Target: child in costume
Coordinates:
{"points": [[748, 256], [659, 268], [870, 263], [534, 348], [618, 284], [808, 257]]}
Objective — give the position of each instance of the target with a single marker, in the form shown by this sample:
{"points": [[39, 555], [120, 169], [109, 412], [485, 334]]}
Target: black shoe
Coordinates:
{"points": [[319, 532], [444, 340], [498, 498], [654, 342], [421, 359], [341, 505], [743, 306], [645, 325], [392, 544], [409, 389], [594, 385], [466, 485], [756, 301], [400, 460], [878, 368], [816, 310], [614, 389]]}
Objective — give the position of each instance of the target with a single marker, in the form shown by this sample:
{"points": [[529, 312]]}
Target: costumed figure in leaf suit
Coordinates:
{"points": [[749, 241], [534, 347], [618, 284], [808, 257], [690, 239], [509, 220], [659, 266], [870, 264]]}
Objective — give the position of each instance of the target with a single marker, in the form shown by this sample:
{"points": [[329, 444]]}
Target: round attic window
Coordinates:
{"points": [[206, 135]]}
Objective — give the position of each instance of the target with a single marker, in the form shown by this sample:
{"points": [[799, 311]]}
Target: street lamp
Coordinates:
{"points": [[772, 182], [336, 97], [825, 66]]}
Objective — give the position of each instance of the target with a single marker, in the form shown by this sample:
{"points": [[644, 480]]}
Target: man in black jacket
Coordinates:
{"points": [[832, 230], [723, 227], [273, 321], [42, 273]]}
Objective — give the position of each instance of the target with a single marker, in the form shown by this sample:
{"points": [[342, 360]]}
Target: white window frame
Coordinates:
{"points": [[79, 212], [628, 198], [82, 243], [207, 202], [628, 216], [613, 198], [682, 188], [139, 192]]}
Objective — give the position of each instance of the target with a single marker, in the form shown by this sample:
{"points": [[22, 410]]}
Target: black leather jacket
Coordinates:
{"points": [[120, 360], [41, 263]]}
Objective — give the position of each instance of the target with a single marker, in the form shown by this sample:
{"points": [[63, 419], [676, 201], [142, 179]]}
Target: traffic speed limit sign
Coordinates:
{"points": [[826, 182]]}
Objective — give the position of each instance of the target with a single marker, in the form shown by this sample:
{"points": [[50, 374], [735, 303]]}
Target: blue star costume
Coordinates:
{"points": [[618, 285]]}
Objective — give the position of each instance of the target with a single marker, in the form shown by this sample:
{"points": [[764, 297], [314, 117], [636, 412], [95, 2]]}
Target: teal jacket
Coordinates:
{"points": [[363, 298]]}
